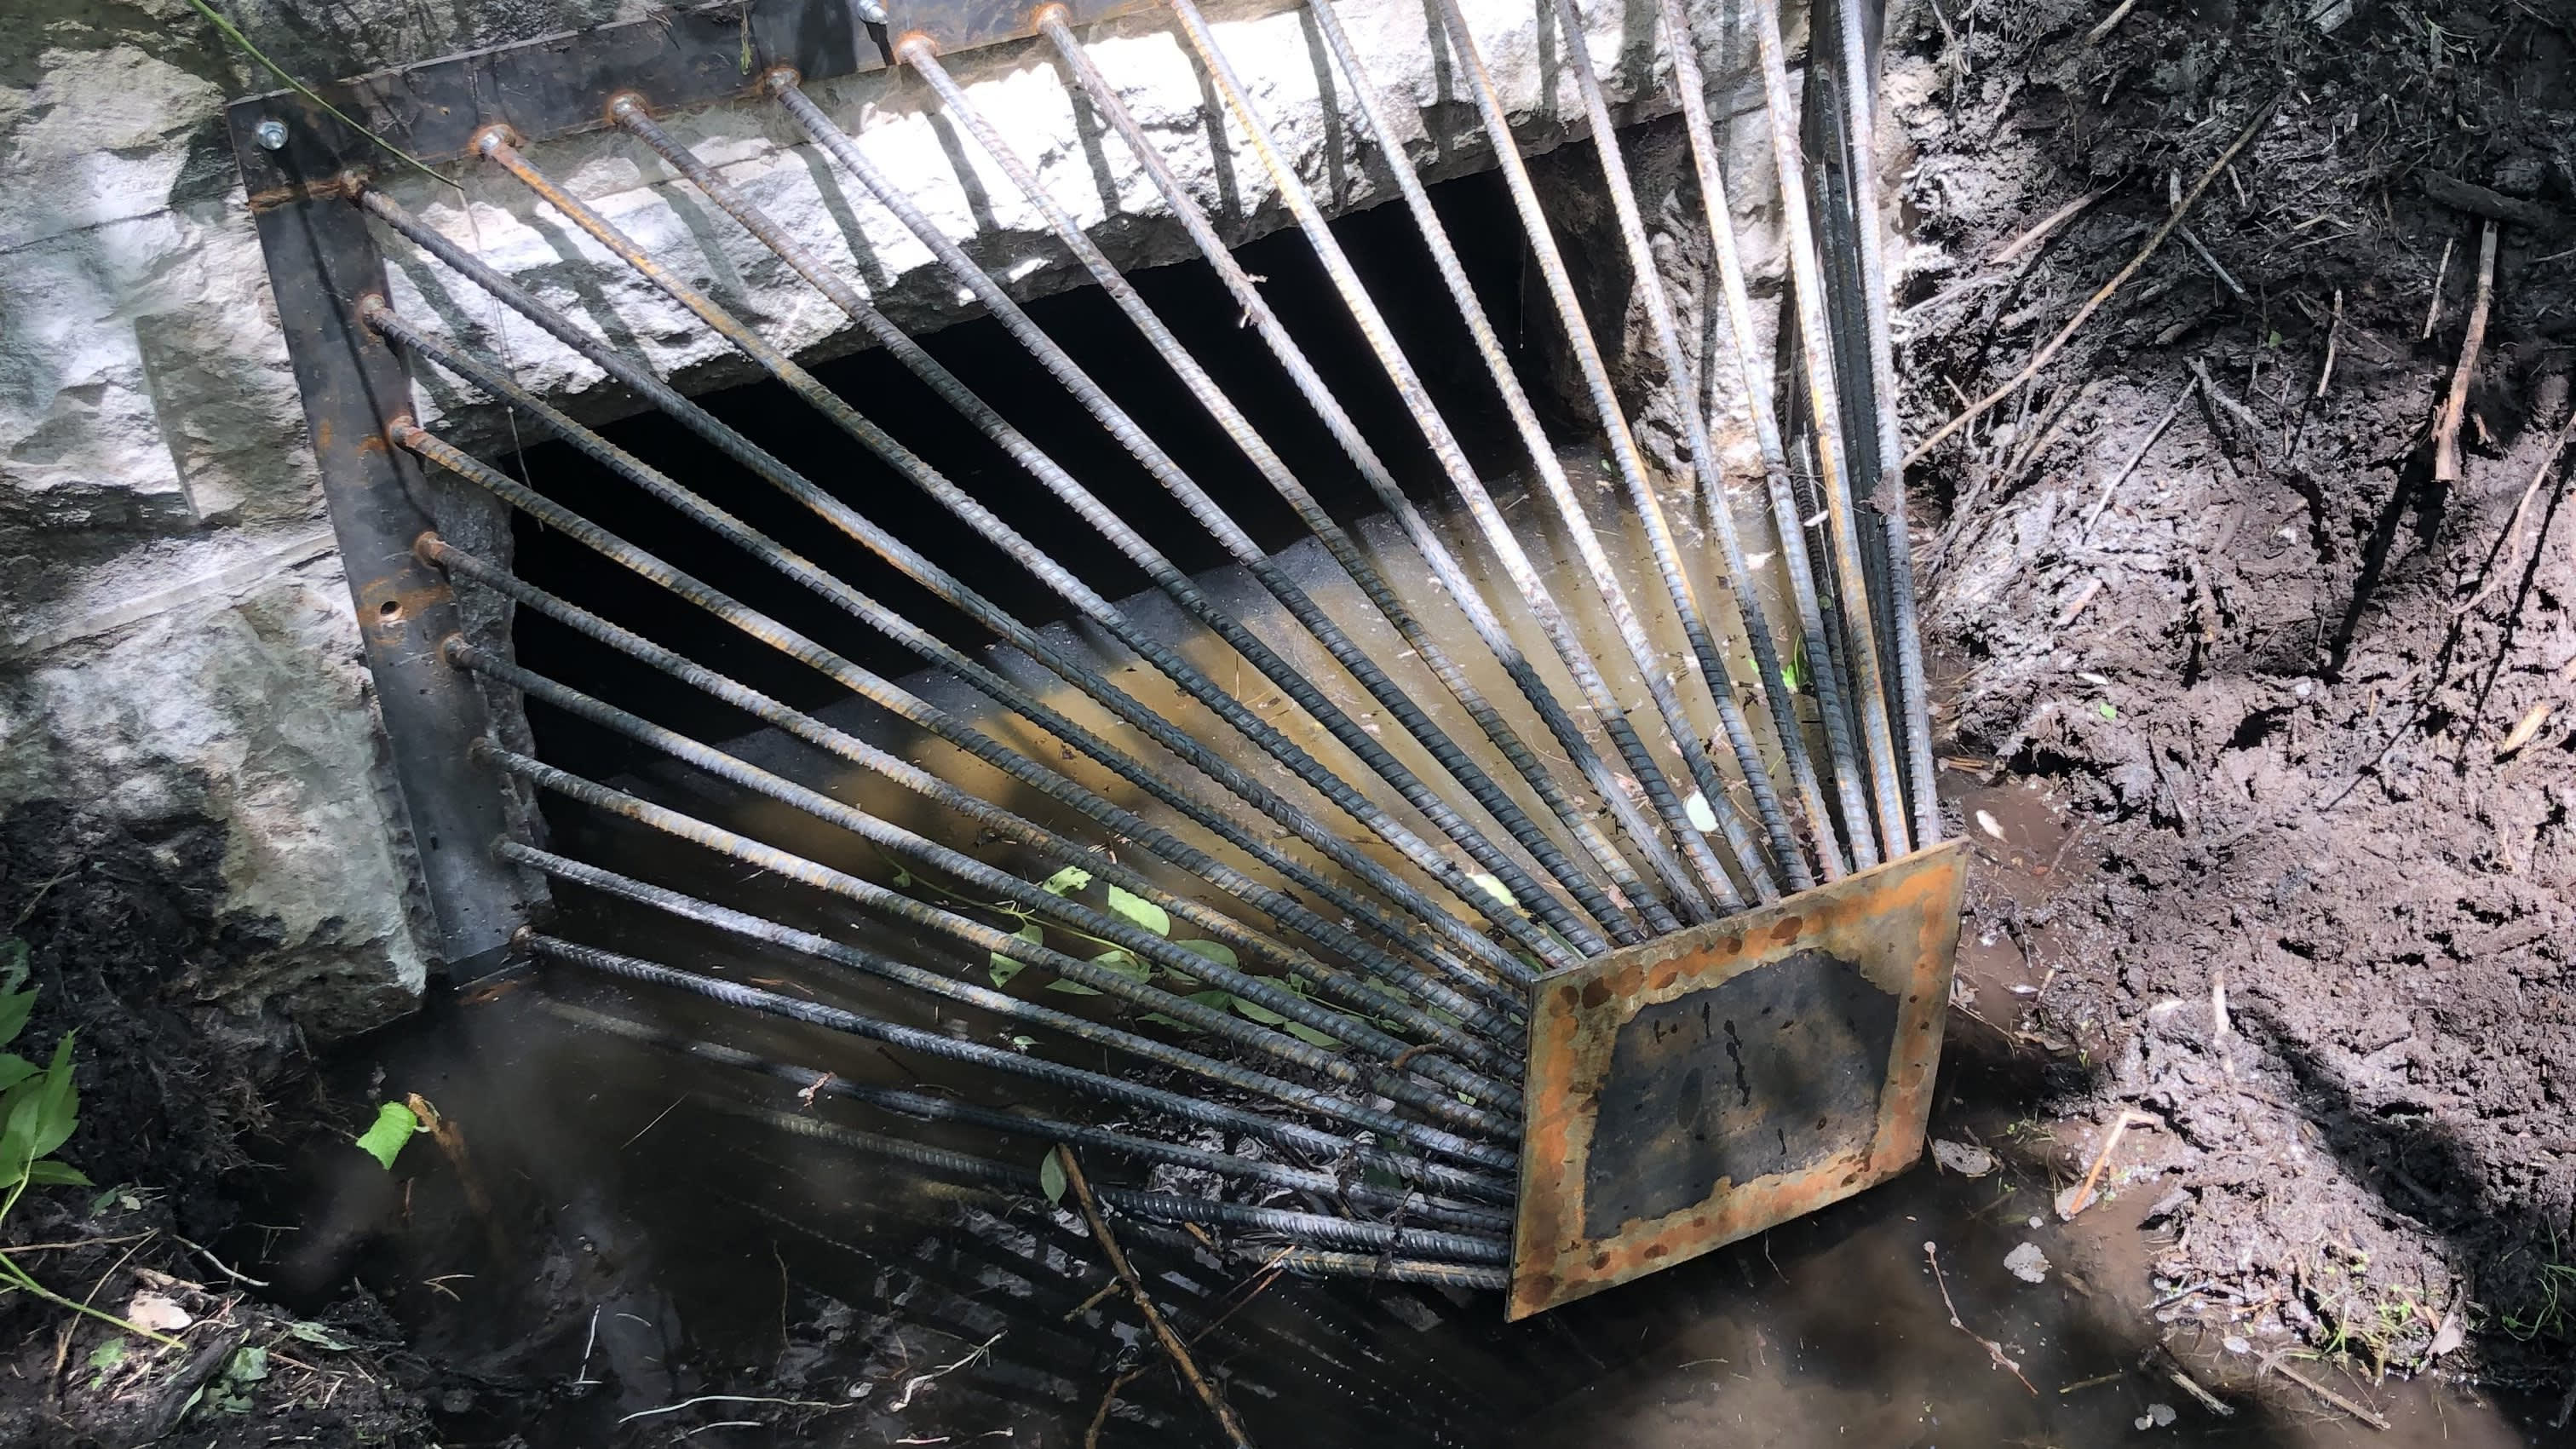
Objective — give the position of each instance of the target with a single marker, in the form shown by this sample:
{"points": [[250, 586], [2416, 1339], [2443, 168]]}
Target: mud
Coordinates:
{"points": [[2284, 888]]}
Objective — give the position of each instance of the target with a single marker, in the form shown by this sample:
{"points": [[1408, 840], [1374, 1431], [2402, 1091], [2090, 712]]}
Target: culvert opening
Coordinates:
{"points": [[1383, 245]]}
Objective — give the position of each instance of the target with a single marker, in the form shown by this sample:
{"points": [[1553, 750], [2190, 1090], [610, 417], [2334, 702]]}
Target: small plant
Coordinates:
{"points": [[39, 1108]]}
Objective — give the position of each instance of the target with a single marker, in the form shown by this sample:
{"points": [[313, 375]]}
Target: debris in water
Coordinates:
{"points": [[1964, 1158], [2157, 1416], [2027, 1263]]}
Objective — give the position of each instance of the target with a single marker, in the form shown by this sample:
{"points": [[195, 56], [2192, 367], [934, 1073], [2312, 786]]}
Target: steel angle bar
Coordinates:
{"points": [[1246, 551], [867, 895], [1622, 611], [1225, 930], [1166, 575], [1285, 1131], [1529, 934], [1715, 504], [1452, 578], [1165, 1207], [1832, 456], [1059, 908], [321, 260], [626, 370], [889, 696], [1753, 379], [929, 1107], [1525, 575]]}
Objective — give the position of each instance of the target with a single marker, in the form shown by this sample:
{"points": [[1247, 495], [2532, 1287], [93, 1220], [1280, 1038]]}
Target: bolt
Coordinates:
{"points": [[270, 133], [870, 12]]}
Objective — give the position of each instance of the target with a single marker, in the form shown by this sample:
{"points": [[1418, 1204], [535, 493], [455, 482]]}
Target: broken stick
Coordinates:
{"points": [[1163, 1334], [2446, 432], [2049, 350]]}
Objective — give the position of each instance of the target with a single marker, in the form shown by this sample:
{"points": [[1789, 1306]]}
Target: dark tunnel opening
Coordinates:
{"points": [[1383, 245]]}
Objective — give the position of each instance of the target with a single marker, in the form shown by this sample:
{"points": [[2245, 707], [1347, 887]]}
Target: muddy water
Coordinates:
{"points": [[618, 1259]]}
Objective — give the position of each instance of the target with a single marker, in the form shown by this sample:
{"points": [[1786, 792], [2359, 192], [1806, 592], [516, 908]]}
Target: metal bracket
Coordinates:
{"points": [[321, 261], [1701, 1087]]}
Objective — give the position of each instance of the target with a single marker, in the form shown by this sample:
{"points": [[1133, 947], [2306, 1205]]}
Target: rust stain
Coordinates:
{"points": [[1898, 923]]}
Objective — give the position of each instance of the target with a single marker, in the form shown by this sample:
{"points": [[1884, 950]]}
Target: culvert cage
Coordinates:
{"points": [[1268, 724]]}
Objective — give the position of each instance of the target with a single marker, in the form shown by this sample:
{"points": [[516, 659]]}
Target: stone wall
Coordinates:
{"points": [[175, 635]]}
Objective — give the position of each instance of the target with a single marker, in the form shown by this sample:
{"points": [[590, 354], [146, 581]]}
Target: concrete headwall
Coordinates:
{"points": [[175, 633]]}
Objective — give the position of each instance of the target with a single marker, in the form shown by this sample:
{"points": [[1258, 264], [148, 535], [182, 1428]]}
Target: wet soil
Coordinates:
{"points": [[2280, 722]]}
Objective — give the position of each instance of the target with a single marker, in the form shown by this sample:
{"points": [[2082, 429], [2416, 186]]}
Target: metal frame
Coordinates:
{"points": [[1888, 936], [1431, 1079]]}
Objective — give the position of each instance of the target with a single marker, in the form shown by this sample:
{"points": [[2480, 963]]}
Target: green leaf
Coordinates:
{"points": [[1216, 951], [1258, 1012], [1310, 1036], [1125, 963], [319, 1336], [1495, 888], [1174, 1022], [1003, 967], [1140, 910], [393, 1127], [1051, 1176], [54, 1172], [1023, 1043], [14, 1069], [1066, 881], [2108, 710], [109, 1353], [902, 878], [13, 964], [14, 1006], [40, 1114], [1214, 1000], [1070, 988]]}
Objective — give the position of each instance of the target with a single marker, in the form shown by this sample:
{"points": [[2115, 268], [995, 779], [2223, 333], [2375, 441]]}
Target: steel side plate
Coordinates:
{"points": [[1696, 1089]]}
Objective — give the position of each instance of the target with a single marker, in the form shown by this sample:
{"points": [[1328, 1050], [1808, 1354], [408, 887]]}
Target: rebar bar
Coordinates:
{"points": [[1860, 136], [1059, 907], [1092, 604], [1444, 443], [1452, 578], [1206, 760], [929, 1107], [1256, 450], [1832, 457], [1753, 380], [1224, 929], [1647, 280], [1299, 1227], [1269, 1126]]}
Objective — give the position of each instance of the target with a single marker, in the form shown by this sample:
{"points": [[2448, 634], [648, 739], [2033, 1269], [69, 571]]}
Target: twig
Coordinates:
{"points": [[2083, 601], [2433, 310], [1163, 1334], [1994, 1350], [2040, 230], [2093, 304], [233, 34], [2334, 339], [730, 1399], [918, 1382], [2135, 459], [2330, 1396], [2511, 543], [2083, 1197], [2209, 259], [223, 1267], [2110, 22], [2446, 432]]}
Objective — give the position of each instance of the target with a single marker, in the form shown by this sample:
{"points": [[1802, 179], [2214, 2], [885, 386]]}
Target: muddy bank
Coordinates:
{"points": [[2269, 732]]}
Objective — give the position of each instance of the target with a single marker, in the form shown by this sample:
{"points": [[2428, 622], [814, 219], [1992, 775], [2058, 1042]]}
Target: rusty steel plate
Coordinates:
{"points": [[1695, 1089]]}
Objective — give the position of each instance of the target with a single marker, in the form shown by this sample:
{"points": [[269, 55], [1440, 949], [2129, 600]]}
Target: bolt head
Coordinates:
{"points": [[270, 133]]}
